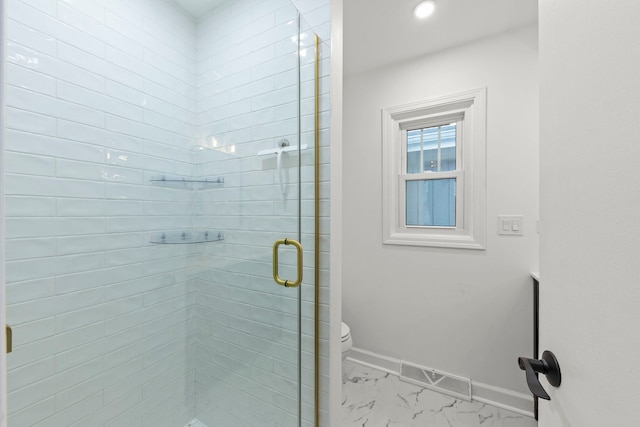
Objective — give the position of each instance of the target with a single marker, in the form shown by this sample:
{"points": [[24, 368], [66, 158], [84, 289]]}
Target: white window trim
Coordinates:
{"points": [[470, 230]]}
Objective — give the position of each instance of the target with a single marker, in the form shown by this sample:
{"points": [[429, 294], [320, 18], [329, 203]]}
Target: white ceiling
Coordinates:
{"points": [[198, 8], [381, 32]]}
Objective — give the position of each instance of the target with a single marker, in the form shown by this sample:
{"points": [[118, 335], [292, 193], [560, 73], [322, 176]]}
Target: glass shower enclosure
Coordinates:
{"points": [[160, 172]]}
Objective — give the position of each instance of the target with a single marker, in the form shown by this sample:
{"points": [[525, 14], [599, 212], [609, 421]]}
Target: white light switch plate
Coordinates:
{"points": [[511, 225]]}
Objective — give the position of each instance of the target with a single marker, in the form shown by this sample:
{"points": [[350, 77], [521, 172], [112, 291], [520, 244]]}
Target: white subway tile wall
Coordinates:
{"points": [[111, 330], [101, 96]]}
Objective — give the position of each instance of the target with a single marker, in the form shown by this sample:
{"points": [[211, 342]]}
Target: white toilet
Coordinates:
{"points": [[347, 342]]}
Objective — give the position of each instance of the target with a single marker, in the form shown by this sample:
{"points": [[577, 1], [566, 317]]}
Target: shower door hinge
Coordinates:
{"points": [[9, 335]]}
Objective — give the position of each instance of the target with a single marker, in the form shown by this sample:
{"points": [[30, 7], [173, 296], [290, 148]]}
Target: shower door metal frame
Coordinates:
{"points": [[316, 252]]}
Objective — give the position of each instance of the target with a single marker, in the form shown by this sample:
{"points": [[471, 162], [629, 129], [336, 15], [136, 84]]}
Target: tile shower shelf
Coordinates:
{"points": [[187, 183], [186, 237]]}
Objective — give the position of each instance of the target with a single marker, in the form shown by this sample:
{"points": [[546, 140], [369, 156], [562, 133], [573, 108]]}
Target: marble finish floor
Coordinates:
{"points": [[371, 398]]}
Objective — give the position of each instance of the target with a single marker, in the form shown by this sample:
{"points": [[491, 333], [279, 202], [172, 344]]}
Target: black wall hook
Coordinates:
{"points": [[548, 366]]}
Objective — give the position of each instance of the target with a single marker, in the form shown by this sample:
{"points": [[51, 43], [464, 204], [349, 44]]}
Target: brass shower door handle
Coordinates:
{"points": [[276, 276]]}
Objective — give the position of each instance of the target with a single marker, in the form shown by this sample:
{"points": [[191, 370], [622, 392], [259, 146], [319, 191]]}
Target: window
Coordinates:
{"points": [[431, 176], [434, 172]]}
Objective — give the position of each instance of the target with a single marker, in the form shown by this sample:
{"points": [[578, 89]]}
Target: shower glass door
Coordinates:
{"points": [[154, 155], [254, 130]]}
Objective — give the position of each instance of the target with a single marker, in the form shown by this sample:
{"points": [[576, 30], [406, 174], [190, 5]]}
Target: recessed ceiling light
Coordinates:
{"points": [[424, 9]]}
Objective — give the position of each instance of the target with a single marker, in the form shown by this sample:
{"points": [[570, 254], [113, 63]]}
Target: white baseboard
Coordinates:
{"points": [[510, 400], [375, 361], [491, 395]]}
